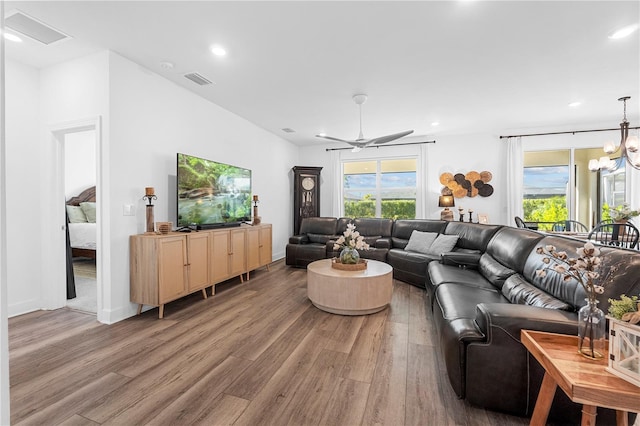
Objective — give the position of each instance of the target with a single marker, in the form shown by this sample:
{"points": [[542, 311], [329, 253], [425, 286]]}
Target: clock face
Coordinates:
{"points": [[308, 183]]}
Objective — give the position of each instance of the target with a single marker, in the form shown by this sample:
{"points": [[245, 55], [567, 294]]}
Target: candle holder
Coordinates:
{"points": [[256, 218], [461, 212], [149, 196], [470, 216]]}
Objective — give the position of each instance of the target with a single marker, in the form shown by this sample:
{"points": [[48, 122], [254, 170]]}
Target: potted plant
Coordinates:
{"points": [[622, 213], [624, 338]]}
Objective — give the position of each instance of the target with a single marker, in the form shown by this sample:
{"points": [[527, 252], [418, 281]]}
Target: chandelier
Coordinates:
{"points": [[628, 148]]}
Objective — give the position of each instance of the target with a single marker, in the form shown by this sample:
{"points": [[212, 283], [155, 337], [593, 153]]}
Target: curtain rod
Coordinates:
{"points": [[381, 146], [573, 132]]}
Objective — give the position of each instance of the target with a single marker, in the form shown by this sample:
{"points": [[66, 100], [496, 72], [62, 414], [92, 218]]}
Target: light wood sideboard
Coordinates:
{"points": [[166, 267]]}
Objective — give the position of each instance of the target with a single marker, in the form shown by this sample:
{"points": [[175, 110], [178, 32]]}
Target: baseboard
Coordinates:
{"points": [[23, 308], [113, 316]]}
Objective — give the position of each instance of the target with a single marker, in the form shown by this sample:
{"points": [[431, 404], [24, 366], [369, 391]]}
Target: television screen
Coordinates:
{"points": [[212, 194]]}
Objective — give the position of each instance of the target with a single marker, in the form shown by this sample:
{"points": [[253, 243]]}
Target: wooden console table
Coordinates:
{"points": [[584, 381]]}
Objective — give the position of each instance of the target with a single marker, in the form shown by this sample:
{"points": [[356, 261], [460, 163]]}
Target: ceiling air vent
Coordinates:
{"points": [[288, 130], [198, 79], [33, 28]]}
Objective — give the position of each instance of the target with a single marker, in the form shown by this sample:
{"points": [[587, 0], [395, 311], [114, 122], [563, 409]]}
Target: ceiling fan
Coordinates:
{"points": [[361, 142]]}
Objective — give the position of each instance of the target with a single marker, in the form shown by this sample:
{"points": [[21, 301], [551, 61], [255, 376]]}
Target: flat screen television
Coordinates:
{"points": [[212, 194]]}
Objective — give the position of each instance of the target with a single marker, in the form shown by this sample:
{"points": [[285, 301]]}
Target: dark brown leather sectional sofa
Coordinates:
{"points": [[482, 294]]}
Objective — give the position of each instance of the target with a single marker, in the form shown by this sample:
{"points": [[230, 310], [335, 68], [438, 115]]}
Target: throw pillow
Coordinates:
{"points": [[76, 215], [443, 244], [89, 209], [420, 241]]}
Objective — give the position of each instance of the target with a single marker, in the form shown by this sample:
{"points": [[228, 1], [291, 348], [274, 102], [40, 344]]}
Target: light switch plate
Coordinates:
{"points": [[128, 210]]}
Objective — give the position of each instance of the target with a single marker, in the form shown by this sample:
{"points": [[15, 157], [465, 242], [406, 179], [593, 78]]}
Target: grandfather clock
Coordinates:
{"points": [[306, 194]]}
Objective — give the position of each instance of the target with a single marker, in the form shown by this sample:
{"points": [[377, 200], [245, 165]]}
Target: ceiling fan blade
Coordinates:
{"points": [[333, 139], [389, 138]]}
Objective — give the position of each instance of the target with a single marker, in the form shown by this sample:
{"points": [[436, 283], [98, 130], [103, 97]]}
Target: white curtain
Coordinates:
{"points": [[632, 195], [515, 179], [336, 174], [423, 195]]}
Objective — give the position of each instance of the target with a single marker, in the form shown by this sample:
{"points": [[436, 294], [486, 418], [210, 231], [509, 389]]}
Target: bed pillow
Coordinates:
{"points": [[76, 215], [443, 244], [420, 241], [89, 209]]}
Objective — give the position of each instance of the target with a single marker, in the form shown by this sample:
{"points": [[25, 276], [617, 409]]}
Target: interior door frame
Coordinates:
{"points": [[54, 295]]}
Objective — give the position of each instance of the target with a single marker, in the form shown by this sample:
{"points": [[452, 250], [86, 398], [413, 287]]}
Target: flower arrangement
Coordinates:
{"points": [[623, 212], [350, 242], [587, 270]]}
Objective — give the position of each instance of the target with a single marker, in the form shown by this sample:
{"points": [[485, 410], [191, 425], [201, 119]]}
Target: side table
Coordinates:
{"points": [[584, 381]]}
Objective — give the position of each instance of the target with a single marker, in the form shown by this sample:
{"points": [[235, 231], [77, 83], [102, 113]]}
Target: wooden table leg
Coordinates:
{"points": [[543, 403], [161, 311], [589, 413], [622, 418]]}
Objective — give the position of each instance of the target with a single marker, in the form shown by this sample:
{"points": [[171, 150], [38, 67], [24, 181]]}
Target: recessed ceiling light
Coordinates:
{"points": [[623, 32], [218, 50], [12, 37], [575, 104], [166, 65], [435, 123], [322, 135]]}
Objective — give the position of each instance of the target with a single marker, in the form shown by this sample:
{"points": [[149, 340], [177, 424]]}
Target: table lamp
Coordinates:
{"points": [[446, 201]]}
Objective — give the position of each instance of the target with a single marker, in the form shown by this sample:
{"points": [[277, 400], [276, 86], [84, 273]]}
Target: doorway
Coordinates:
{"points": [[77, 169], [79, 187]]}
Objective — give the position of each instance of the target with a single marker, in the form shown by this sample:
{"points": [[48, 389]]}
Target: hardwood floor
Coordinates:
{"points": [[257, 353]]}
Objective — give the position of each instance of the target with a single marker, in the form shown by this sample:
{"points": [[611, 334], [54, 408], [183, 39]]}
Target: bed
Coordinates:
{"points": [[81, 221]]}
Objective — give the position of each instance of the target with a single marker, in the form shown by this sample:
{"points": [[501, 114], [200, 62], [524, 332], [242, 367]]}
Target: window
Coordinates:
{"points": [[546, 187], [558, 185], [612, 190], [380, 188]]}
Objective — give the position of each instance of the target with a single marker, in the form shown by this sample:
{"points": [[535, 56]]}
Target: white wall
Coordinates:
{"points": [[153, 119], [25, 189], [146, 120], [455, 154]]}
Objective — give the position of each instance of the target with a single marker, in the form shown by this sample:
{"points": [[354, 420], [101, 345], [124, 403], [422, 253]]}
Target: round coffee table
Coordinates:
{"points": [[349, 292]]}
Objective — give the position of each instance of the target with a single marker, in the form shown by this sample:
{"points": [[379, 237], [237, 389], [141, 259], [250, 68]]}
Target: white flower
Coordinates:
{"points": [[585, 269], [351, 238]]}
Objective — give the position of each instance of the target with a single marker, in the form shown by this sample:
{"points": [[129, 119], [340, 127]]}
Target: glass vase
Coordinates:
{"points": [[591, 330], [349, 255]]}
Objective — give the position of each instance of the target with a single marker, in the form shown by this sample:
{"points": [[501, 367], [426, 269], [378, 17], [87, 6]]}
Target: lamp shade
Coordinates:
{"points": [[446, 201], [609, 147]]}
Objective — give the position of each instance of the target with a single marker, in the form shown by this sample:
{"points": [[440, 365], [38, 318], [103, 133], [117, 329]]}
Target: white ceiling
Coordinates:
{"points": [[473, 66]]}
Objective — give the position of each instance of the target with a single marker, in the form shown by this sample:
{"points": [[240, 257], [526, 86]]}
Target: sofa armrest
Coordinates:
{"points": [[501, 365], [299, 239], [511, 318], [383, 243], [462, 260]]}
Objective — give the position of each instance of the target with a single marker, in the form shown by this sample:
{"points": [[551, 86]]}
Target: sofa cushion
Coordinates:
{"points": [[473, 236], [421, 241], [494, 271], [519, 291], [402, 229], [318, 225], [443, 244], [511, 246], [442, 274], [626, 279], [368, 226]]}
